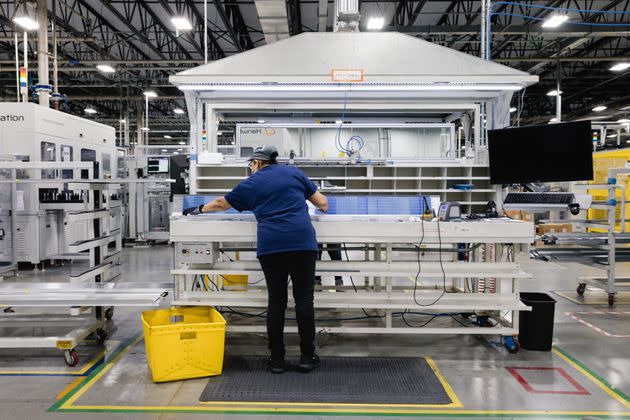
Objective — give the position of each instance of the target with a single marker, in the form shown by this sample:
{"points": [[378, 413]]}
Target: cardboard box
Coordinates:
{"points": [[554, 228], [514, 214]]}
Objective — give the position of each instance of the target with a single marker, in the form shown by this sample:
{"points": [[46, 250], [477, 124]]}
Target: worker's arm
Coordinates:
{"points": [[218, 204], [319, 200]]}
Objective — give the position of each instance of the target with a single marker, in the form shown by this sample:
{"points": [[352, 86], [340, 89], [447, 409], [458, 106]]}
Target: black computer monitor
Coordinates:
{"points": [[541, 153]]}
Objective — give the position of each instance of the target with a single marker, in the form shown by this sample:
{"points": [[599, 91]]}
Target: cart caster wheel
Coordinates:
{"points": [[71, 357], [611, 299], [109, 313], [581, 289], [101, 336], [511, 345]]}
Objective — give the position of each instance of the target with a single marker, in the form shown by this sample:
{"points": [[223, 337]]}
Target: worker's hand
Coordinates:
{"points": [[193, 211]]}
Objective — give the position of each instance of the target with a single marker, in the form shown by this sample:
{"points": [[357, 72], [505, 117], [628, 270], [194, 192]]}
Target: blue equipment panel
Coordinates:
{"points": [[197, 200], [348, 205]]}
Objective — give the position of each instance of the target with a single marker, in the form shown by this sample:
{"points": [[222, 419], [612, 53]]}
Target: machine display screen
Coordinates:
{"points": [[542, 153], [157, 165]]}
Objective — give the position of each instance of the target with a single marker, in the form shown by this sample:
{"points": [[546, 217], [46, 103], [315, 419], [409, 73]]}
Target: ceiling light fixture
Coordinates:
{"points": [[554, 21], [181, 23], [600, 108], [26, 22], [512, 109], [123, 121], [150, 94], [168, 137], [105, 68], [178, 111], [182, 143], [620, 67], [376, 23], [90, 111], [144, 128], [554, 119], [553, 93]]}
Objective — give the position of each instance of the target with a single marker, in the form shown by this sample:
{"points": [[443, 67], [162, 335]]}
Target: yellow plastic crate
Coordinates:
{"points": [[184, 343], [235, 281]]}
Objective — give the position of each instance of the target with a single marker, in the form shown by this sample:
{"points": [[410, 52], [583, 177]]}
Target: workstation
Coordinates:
{"points": [[355, 221]]}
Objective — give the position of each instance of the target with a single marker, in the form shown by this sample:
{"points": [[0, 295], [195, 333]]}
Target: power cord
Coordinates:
{"points": [[418, 251], [351, 279]]}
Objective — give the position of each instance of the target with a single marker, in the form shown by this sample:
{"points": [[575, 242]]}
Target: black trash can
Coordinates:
{"points": [[536, 327]]}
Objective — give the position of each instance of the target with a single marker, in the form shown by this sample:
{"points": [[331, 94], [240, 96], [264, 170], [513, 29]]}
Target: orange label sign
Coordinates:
{"points": [[347, 75]]}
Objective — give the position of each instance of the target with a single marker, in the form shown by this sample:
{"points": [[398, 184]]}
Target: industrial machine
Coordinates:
{"points": [[37, 134], [150, 193], [360, 131], [7, 227]]}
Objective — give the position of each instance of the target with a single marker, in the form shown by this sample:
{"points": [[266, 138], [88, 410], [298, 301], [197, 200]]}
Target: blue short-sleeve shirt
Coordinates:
{"points": [[277, 195]]}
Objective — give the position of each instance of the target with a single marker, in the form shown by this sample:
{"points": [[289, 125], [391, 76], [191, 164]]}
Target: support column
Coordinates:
{"points": [[42, 51]]}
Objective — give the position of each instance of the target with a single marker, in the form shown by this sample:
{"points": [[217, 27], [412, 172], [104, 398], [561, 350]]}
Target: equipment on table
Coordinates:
{"points": [[491, 210], [450, 211], [546, 153]]}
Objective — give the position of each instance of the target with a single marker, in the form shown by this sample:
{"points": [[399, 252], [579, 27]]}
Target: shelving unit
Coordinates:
{"points": [[397, 178], [89, 296]]}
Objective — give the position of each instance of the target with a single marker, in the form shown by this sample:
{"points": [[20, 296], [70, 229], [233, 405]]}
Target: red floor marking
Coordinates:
{"points": [[599, 330], [579, 389]]}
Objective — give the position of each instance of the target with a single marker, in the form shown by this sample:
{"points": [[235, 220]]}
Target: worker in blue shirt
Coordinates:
{"points": [[287, 245]]}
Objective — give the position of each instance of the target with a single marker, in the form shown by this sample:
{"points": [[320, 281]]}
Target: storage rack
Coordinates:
{"points": [[389, 178], [601, 248], [90, 295]]}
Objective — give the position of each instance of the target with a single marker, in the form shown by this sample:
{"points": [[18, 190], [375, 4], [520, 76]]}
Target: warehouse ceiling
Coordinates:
{"points": [[139, 40]]}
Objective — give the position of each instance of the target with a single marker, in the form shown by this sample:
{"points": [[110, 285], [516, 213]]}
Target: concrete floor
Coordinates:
{"points": [[586, 376]]}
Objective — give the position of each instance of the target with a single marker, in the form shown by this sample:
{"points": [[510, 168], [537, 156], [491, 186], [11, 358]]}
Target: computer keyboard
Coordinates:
{"points": [[540, 198]]}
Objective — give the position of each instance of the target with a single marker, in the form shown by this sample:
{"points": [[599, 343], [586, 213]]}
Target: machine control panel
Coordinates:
{"points": [[190, 252]]}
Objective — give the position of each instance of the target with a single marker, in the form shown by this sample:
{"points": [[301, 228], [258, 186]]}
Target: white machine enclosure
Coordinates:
{"points": [[34, 133]]}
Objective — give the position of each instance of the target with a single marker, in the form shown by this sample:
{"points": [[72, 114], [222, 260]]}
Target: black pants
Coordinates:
{"points": [[277, 268], [335, 255]]}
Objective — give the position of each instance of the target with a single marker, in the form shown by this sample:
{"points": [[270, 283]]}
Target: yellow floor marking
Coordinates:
{"points": [[594, 298], [593, 379], [84, 369], [68, 404], [99, 375], [69, 388], [143, 408]]}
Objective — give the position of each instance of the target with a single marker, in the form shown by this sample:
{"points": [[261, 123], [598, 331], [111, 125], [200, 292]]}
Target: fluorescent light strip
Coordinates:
{"points": [[26, 22], [311, 88], [620, 67], [554, 21]]}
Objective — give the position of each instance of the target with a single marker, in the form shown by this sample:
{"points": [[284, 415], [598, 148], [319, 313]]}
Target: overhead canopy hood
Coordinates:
{"points": [[351, 61]]}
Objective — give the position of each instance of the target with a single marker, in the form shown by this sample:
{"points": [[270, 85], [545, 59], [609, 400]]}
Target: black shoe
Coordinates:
{"points": [[308, 363], [276, 365]]}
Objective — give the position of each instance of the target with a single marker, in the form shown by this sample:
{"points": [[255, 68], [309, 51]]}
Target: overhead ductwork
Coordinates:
{"points": [[273, 19]]}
